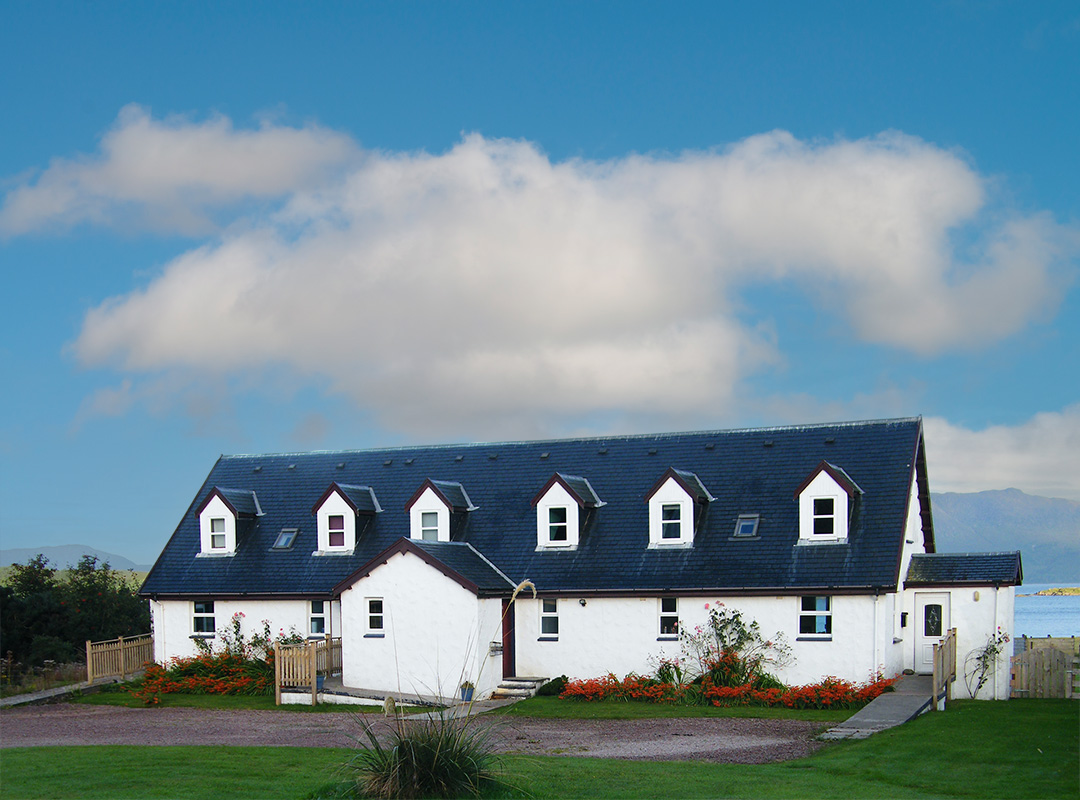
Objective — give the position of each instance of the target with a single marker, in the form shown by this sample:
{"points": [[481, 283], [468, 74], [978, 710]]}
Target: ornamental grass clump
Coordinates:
{"points": [[435, 757]]}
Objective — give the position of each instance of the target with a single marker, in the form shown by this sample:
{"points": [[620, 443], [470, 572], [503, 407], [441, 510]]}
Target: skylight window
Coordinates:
{"points": [[286, 538], [746, 526]]}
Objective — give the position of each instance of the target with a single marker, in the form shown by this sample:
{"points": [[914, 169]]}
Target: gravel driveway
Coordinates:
{"points": [[742, 741]]}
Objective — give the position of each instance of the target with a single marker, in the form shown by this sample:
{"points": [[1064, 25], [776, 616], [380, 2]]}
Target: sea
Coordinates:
{"points": [[1041, 616]]}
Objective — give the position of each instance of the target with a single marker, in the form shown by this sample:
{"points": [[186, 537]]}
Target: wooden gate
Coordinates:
{"points": [[944, 673], [1045, 672], [118, 658], [298, 666]]}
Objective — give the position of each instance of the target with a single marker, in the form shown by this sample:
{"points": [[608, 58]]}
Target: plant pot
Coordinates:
{"points": [[466, 694], [319, 681]]}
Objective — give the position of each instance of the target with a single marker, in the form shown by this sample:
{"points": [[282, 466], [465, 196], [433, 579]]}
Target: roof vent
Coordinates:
{"points": [[341, 465], [257, 469], [710, 446], [291, 466], [492, 456], [459, 458], [652, 451], [409, 460], [831, 440], [388, 462], [544, 455], [602, 451], [767, 443]]}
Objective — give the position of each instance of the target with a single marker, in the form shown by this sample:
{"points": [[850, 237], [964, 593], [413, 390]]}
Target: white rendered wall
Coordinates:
{"points": [[172, 623], [977, 613], [620, 635], [436, 632]]}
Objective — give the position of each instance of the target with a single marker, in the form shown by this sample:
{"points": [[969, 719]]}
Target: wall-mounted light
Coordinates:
{"points": [[582, 602]]}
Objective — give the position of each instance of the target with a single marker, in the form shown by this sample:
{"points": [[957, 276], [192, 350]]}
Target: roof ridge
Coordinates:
{"points": [[595, 438]]}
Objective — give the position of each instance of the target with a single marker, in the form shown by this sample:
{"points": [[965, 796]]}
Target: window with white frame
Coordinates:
{"points": [[549, 619], [558, 518], [671, 521], [202, 618], [669, 617], [557, 524], [335, 530], [429, 526], [671, 515], [825, 503], [815, 616], [824, 516], [374, 624], [217, 533], [317, 618]]}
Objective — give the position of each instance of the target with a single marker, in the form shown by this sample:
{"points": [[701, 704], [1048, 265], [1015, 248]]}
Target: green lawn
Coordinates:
{"points": [[554, 708], [1019, 749]]}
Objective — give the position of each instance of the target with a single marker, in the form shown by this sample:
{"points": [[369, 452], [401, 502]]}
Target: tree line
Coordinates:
{"points": [[46, 616]]}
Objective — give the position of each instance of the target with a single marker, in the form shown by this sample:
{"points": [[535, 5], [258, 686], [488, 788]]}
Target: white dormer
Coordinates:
{"points": [[826, 499], [430, 509], [559, 511], [218, 515], [336, 515], [673, 504]]}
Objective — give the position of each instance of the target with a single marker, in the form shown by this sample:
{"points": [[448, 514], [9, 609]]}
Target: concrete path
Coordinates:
{"points": [[49, 694], [909, 698]]}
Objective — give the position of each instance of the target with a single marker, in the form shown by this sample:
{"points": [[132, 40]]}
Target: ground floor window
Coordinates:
{"points": [[669, 616], [815, 616], [317, 618], [549, 618], [202, 617], [375, 616]]}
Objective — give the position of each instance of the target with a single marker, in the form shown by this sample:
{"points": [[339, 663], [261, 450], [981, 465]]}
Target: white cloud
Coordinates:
{"points": [[460, 291], [1040, 456], [169, 175]]}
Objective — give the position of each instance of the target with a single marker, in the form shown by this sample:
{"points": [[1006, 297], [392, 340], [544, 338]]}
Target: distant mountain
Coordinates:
{"points": [[67, 555], [1046, 530]]}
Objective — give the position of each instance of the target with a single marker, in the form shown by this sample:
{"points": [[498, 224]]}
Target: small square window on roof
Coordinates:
{"points": [[286, 538], [746, 526]]}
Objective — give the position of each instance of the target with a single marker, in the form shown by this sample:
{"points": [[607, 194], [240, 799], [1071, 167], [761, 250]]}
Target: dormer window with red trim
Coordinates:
{"points": [[826, 499], [339, 517]]}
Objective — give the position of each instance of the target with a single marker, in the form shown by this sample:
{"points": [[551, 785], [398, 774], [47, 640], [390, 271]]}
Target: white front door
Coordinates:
{"points": [[931, 624]]}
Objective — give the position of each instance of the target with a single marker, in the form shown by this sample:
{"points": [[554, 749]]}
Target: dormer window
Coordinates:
{"points": [[562, 506], [676, 503], [217, 533], [219, 515], [826, 499], [337, 514], [432, 507]]}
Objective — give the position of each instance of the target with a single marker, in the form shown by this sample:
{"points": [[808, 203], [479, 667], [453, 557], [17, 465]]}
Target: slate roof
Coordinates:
{"points": [[748, 471], [951, 569]]}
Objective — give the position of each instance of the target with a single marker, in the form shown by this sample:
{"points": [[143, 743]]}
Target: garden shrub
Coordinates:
{"points": [[553, 687]]}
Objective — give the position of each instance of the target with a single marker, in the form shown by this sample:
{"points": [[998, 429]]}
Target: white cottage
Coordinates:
{"points": [[411, 555]]}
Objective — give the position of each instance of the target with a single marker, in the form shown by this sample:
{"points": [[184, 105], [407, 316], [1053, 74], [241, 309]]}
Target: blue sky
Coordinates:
{"points": [[265, 227]]}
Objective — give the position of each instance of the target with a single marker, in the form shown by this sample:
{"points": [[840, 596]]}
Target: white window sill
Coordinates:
{"points": [[555, 548], [672, 545], [821, 540], [667, 637], [807, 638], [331, 552], [547, 639], [216, 554], [374, 635], [203, 636]]}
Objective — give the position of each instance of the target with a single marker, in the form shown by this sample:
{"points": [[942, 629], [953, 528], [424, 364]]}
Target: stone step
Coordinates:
{"points": [[518, 687]]}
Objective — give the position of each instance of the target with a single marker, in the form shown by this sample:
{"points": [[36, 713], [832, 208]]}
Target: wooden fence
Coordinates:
{"points": [[118, 658], [944, 668], [298, 666], [1066, 644], [1045, 672]]}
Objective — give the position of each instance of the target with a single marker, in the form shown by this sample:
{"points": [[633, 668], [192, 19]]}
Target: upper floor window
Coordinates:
{"points": [[562, 506], [431, 509], [674, 505], [826, 499], [338, 514], [219, 516]]}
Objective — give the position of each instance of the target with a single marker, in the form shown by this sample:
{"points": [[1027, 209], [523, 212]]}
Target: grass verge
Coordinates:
{"points": [[554, 708], [115, 696], [1019, 749]]}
